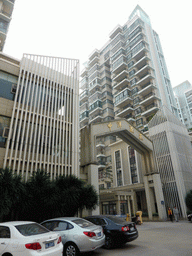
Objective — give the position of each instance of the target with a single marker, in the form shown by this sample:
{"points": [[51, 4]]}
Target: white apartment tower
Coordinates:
{"points": [[126, 78], [6, 9]]}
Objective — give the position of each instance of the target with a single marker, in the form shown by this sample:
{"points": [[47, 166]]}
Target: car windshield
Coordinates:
{"points": [[31, 229], [116, 219], [83, 223]]}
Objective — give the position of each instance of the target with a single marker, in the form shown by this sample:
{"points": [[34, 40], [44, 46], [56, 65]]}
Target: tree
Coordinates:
{"points": [[11, 191], [73, 195], [38, 197], [188, 200]]}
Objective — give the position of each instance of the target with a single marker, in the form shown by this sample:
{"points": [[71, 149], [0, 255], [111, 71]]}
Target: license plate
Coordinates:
{"points": [[99, 234], [132, 228], [48, 245]]}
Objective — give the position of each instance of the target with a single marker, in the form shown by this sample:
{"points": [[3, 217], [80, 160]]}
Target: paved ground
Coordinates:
{"points": [[156, 239]]}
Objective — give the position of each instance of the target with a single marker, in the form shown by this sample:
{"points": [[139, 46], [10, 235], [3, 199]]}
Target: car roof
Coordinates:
{"points": [[64, 218], [98, 216], [15, 223]]}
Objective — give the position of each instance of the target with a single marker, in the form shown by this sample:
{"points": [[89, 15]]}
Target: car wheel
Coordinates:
{"points": [[71, 249], [109, 242]]}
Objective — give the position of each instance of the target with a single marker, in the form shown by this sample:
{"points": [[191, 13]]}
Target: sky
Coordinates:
{"points": [[74, 28]]}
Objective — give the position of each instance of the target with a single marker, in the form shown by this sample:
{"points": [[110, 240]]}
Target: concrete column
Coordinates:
{"points": [[134, 200], [92, 170], [148, 197], [159, 197], [129, 205], [118, 206]]}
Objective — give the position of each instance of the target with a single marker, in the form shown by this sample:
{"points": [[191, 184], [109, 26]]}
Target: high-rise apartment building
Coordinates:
{"points": [[39, 100], [183, 96], [128, 78], [6, 9]]}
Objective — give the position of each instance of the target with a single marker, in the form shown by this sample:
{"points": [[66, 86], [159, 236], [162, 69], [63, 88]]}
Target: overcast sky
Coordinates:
{"points": [[74, 28]]}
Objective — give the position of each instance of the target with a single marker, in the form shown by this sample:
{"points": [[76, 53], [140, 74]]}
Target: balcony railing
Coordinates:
{"points": [[150, 106]]}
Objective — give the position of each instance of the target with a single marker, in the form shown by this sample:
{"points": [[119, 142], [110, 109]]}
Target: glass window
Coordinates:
{"points": [[4, 130], [31, 229], [133, 168], [118, 168], [82, 223], [4, 232]]}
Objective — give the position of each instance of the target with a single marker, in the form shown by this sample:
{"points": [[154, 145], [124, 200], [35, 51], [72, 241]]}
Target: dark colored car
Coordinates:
{"points": [[116, 230]]}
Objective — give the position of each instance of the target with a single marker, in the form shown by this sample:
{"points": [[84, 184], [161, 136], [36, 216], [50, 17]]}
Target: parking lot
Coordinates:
{"points": [[156, 238]]}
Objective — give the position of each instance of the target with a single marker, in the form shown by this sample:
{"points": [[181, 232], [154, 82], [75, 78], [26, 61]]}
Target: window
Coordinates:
{"points": [[133, 168], [31, 229], [118, 168], [4, 232], [5, 132]]}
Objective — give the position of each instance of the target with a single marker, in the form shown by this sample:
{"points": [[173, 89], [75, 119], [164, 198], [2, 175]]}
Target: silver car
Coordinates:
{"points": [[77, 234]]}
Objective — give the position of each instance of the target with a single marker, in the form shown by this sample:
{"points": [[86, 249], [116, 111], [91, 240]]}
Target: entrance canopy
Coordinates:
{"points": [[123, 130]]}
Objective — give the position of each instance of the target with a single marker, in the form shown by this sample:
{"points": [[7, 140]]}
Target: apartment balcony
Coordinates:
{"points": [[84, 83], [5, 16], [120, 86], [84, 96], [122, 101], [84, 118], [96, 111], [115, 31], [150, 109], [119, 65], [8, 6], [95, 108], [142, 71], [147, 88], [95, 53], [121, 76], [133, 33], [146, 79], [84, 107], [96, 86], [93, 69], [96, 118], [93, 61], [130, 118], [117, 47], [125, 111], [141, 62], [84, 72], [149, 98], [117, 38], [97, 95], [140, 53]]}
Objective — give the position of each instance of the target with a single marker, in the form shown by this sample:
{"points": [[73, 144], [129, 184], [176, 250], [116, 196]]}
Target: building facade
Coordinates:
{"points": [[183, 96], [39, 115], [127, 78], [6, 9]]}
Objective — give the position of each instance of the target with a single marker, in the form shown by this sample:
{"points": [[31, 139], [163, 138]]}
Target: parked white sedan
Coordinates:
{"points": [[21, 238], [77, 234]]}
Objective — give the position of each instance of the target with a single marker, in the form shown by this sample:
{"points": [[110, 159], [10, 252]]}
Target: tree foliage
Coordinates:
{"points": [[40, 198], [188, 200], [11, 190]]}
